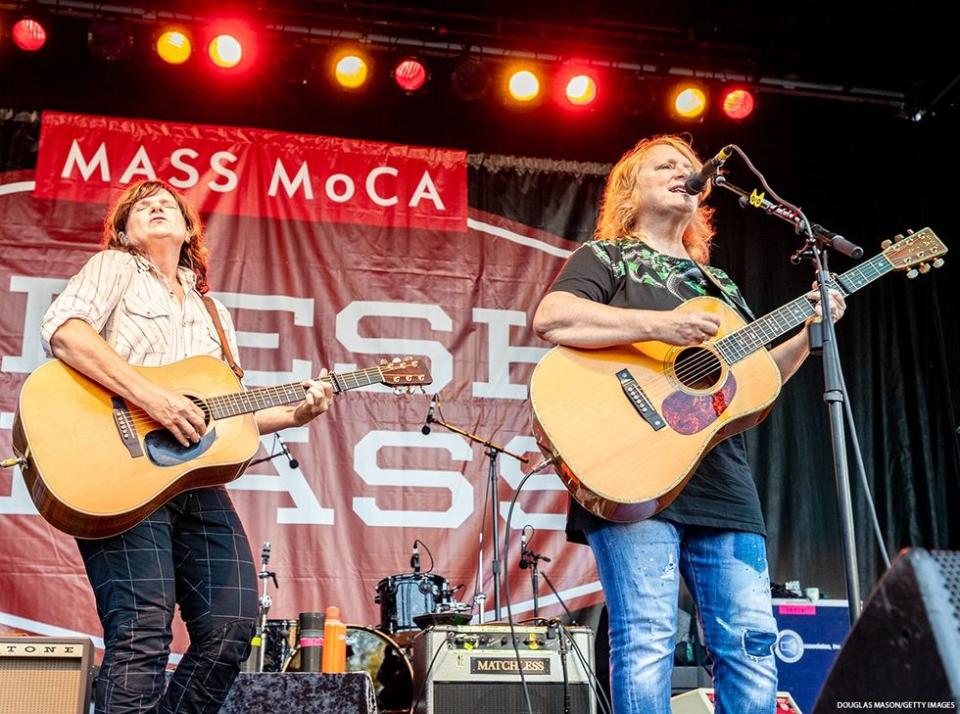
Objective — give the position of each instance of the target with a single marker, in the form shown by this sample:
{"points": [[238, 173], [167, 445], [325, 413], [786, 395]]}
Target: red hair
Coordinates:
{"points": [[621, 200]]}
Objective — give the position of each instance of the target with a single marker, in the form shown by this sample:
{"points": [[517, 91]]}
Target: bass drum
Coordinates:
{"points": [[371, 651]]}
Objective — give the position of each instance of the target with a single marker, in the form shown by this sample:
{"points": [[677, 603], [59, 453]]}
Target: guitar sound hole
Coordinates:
{"points": [[697, 368]]}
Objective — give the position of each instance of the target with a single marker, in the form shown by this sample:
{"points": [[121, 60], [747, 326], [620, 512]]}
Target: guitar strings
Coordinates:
{"points": [[137, 416]]}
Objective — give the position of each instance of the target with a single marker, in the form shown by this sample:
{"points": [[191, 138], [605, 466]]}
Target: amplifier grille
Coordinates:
{"points": [[40, 685], [507, 698]]}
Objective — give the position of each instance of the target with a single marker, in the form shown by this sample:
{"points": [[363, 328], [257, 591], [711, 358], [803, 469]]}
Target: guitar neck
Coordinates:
{"points": [[750, 338], [252, 400]]}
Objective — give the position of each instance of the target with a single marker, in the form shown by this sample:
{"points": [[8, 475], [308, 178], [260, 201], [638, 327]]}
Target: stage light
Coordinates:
{"points": [[738, 103], [174, 47], [29, 34], [410, 74], [581, 90], [470, 79], [523, 85], [225, 51], [351, 70], [690, 102], [110, 40]]}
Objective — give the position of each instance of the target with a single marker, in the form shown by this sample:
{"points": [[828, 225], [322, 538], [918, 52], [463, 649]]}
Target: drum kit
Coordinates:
{"points": [[409, 603]]}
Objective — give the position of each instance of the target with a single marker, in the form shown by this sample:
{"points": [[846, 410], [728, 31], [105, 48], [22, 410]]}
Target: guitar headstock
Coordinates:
{"points": [[916, 253], [405, 375]]}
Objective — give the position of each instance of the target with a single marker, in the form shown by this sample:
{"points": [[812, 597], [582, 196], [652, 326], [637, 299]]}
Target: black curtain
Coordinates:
{"points": [[869, 179]]}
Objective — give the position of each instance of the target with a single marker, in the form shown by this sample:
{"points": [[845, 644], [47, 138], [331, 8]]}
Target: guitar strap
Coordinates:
{"points": [[734, 300], [224, 345]]}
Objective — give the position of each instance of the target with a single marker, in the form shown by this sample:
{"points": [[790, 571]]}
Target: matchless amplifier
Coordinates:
{"points": [[473, 669]]}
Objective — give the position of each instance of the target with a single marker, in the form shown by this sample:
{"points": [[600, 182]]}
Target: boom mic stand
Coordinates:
{"points": [[817, 240], [492, 451]]}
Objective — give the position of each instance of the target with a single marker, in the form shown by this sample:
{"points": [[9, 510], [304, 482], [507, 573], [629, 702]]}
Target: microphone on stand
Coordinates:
{"points": [[697, 182], [293, 463], [415, 557], [425, 429], [265, 555], [523, 549]]}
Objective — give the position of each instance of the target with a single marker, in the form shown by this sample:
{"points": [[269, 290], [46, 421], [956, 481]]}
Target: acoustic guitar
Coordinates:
{"points": [[96, 465], [627, 426]]}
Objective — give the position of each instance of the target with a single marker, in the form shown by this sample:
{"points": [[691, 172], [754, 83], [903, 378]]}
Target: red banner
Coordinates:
{"points": [[303, 295], [252, 172]]}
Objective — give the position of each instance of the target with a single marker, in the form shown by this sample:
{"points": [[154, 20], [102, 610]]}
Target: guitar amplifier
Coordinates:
{"points": [[45, 674], [473, 669]]}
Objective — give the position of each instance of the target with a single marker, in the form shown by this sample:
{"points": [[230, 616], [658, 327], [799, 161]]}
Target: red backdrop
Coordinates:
{"points": [[316, 271]]}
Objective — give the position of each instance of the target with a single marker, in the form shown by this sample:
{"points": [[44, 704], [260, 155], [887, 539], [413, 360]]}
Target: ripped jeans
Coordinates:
{"points": [[726, 572]]}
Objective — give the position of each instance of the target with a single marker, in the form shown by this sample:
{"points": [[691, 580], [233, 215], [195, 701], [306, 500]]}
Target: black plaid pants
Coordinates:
{"points": [[192, 552]]}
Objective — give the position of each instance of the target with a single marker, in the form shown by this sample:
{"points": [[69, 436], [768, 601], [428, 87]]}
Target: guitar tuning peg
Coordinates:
{"points": [[407, 358], [924, 268], [909, 231], [898, 237], [396, 360], [383, 362], [912, 273], [938, 263], [399, 390], [886, 244]]}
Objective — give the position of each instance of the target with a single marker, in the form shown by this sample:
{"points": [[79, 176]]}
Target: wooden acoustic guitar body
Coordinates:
{"points": [[625, 459]]}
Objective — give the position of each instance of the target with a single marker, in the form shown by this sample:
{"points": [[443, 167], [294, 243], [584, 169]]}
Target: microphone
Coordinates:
{"points": [[265, 554], [523, 549], [293, 463], [425, 429], [697, 182], [415, 558]]}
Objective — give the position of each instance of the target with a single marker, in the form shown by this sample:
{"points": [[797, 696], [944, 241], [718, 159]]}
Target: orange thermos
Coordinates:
{"points": [[334, 642]]}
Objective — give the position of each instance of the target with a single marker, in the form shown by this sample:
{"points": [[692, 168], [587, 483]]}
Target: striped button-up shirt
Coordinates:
{"points": [[135, 309]]}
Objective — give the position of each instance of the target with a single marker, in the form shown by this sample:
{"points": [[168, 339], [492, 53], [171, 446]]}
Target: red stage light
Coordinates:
{"points": [[581, 90], [738, 103], [225, 51], [29, 35], [231, 45], [410, 74]]}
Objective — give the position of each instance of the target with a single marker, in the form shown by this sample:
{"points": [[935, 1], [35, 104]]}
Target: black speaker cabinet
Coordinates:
{"points": [[906, 645], [473, 670], [45, 674]]}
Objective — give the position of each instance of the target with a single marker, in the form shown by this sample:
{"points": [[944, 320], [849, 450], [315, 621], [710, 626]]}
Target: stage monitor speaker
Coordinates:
{"points": [[701, 701], [473, 670], [906, 645], [45, 674]]}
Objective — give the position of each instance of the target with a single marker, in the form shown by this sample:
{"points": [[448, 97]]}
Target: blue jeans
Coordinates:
{"points": [[726, 572]]}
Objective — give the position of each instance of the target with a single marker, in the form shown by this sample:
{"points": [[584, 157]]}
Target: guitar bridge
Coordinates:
{"points": [[639, 400], [124, 424]]}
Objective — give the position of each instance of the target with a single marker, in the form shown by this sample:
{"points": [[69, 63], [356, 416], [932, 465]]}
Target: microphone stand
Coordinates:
{"points": [[493, 451], [529, 559], [265, 602], [816, 242]]}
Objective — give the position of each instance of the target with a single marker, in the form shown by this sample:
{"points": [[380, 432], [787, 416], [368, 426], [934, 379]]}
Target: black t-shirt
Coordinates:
{"points": [[628, 273]]}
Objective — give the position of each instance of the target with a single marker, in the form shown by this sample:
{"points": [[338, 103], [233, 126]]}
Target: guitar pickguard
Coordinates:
{"points": [[164, 450], [691, 413]]}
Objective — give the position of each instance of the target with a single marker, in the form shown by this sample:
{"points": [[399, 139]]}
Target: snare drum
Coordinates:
{"points": [[403, 597], [371, 651]]}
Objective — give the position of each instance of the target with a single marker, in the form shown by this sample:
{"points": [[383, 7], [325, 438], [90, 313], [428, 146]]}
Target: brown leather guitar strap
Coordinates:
{"points": [[224, 345]]}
